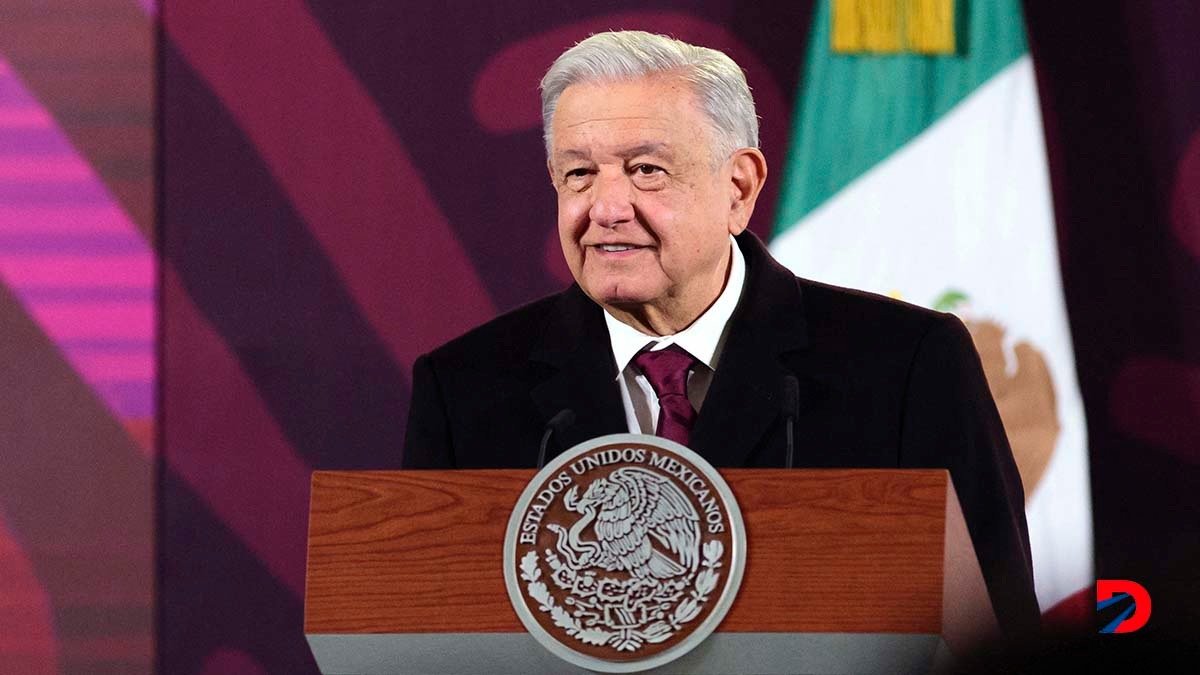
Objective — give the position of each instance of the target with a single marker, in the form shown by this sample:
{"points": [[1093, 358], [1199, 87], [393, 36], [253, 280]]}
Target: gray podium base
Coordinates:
{"points": [[725, 653]]}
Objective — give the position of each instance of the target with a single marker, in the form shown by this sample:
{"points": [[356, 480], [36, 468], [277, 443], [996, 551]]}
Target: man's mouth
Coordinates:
{"points": [[616, 248]]}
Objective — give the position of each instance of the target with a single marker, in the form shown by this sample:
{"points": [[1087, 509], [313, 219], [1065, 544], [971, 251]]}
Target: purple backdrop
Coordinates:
{"points": [[1123, 128], [77, 337], [344, 186]]}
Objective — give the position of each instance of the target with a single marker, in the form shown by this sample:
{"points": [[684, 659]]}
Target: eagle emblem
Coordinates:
{"points": [[640, 523], [623, 550]]}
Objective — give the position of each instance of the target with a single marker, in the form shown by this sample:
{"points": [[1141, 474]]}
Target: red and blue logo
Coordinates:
{"points": [[1122, 606]]}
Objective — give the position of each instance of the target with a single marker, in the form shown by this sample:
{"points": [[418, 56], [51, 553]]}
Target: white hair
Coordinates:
{"points": [[717, 82]]}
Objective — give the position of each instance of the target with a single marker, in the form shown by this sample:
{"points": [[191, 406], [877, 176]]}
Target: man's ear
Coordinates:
{"points": [[550, 172], [748, 173]]}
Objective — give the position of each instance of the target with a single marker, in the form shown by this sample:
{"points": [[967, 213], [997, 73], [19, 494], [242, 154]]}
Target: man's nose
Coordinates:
{"points": [[612, 199]]}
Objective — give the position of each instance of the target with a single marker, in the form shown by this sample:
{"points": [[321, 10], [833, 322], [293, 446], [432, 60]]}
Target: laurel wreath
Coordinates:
{"points": [[531, 573], [706, 581], [632, 639]]}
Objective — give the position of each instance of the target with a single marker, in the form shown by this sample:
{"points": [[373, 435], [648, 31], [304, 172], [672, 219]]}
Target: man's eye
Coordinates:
{"points": [[577, 173], [647, 169]]}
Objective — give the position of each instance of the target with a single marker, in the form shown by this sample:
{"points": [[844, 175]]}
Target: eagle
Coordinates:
{"points": [[642, 524]]}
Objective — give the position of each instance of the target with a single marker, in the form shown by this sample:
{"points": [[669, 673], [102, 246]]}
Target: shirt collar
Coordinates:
{"points": [[703, 339]]}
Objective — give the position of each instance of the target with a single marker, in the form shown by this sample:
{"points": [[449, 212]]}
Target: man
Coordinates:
{"points": [[680, 323]]}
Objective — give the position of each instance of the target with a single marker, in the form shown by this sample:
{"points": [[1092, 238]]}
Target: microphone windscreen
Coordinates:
{"points": [[791, 396], [563, 419]]}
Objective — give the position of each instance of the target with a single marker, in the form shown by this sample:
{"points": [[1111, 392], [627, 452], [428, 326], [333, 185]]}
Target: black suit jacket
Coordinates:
{"points": [[882, 384]]}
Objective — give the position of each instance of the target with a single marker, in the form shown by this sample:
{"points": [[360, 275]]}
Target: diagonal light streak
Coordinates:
{"points": [[62, 231]]}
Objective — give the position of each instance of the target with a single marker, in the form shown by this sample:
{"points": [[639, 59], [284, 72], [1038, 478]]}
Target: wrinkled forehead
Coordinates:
{"points": [[651, 115], [567, 152]]}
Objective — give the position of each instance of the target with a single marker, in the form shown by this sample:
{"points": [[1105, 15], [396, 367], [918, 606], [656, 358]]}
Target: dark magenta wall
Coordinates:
{"points": [[346, 184]]}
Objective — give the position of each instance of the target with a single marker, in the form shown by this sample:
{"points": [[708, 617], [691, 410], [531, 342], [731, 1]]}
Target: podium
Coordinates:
{"points": [[848, 570]]}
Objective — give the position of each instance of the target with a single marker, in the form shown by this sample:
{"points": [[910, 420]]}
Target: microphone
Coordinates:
{"points": [[561, 420], [791, 408]]}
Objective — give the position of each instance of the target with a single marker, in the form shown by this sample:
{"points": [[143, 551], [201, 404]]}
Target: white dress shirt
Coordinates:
{"points": [[704, 339]]}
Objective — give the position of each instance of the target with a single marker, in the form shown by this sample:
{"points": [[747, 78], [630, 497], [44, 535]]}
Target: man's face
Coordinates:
{"points": [[644, 212]]}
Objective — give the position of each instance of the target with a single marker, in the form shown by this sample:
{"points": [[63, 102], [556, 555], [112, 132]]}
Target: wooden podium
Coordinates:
{"points": [[864, 571]]}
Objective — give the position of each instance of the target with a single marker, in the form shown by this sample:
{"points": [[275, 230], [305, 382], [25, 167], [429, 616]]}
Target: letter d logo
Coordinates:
{"points": [[1113, 591]]}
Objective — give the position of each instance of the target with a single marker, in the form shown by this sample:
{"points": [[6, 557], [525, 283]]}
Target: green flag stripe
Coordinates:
{"points": [[856, 110]]}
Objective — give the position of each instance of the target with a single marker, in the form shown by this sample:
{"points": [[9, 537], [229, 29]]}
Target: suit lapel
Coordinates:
{"points": [[582, 376], [745, 397]]}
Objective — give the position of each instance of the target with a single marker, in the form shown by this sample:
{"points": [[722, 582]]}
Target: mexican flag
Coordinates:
{"points": [[917, 169]]}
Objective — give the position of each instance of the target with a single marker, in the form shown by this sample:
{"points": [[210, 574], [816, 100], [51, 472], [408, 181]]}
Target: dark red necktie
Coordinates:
{"points": [[667, 369]]}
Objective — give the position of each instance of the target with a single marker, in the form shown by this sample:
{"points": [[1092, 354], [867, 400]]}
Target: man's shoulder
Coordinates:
{"points": [[835, 316], [855, 317]]}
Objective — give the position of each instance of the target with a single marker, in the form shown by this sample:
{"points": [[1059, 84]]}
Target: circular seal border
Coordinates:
{"points": [[720, 607]]}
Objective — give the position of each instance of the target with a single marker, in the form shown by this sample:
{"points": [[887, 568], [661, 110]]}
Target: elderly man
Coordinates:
{"points": [[680, 323]]}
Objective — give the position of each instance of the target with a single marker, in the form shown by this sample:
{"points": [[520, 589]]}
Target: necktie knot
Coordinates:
{"points": [[667, 370]]}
